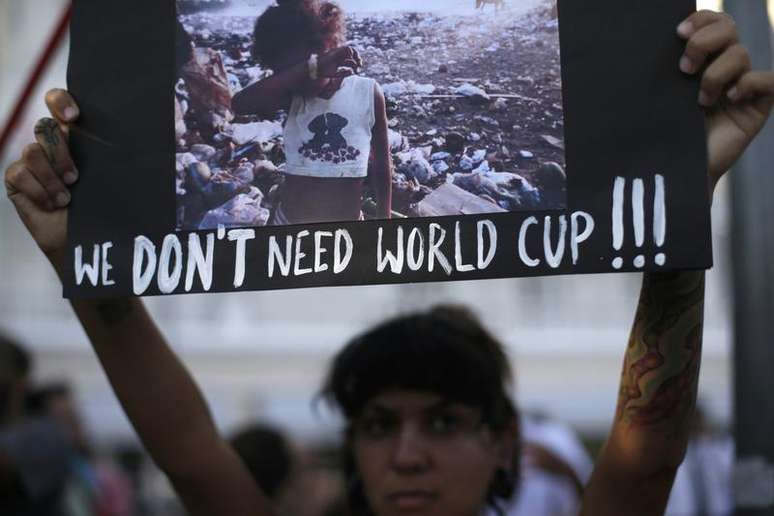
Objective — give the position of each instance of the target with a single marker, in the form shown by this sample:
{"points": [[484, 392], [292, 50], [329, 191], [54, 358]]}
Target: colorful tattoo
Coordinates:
{"points": [[661, 367]]}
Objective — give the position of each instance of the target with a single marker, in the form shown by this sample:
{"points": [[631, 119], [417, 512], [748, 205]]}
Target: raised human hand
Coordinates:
{"points": [[737, 100], [37, 184], [339, 62]]}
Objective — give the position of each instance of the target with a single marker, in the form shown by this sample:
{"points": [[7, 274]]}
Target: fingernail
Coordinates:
{"points": [[70, 177], [685, 29], [733, 93], [704, 99], [70, 113], [686, 65], [62, 199]]}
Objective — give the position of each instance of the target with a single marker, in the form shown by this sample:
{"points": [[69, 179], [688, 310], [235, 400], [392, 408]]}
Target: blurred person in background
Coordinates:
{"points": [[96, 486], [430, 426], [34, 451], [282, 470], [555, 467], [703, 481]]}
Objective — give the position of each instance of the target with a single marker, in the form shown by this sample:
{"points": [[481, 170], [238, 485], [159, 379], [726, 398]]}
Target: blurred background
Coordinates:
{"points": [[260, 356]]}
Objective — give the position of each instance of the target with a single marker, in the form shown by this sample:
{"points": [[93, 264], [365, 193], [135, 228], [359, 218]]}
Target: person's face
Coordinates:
{"points": [[418, 453]]}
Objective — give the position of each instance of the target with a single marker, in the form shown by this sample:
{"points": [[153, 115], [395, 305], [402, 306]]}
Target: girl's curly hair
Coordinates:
{"points": [[315, 24]]}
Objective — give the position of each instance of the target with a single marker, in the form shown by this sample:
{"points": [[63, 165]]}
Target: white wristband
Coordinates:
{"points": [[312, 65]]}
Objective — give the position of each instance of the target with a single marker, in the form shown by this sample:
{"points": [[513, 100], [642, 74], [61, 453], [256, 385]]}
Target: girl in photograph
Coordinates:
{"points": [[336, 129]]}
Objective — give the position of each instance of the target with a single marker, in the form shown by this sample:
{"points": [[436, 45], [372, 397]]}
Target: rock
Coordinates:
{"points": [[203, 152], [526, 154], [500, 104], [468, 90], [443, 69], [455, 143], [552, 140], [243, 210], [475, 94], [199, 174], [551, 176], [260, 132], [474, 137]]}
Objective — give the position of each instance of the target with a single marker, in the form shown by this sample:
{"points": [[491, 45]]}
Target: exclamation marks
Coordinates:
{"points": [[618, 224], [659, 218], [638, 219]]}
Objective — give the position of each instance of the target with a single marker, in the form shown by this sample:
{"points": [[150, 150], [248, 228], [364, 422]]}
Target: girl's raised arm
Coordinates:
{"points": [[156, 391]]}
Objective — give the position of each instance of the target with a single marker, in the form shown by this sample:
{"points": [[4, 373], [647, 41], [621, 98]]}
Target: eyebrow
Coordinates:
{"points": [[434, 407]]}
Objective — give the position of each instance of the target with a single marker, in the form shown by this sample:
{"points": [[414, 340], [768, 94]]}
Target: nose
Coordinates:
{"points": [[411, 453]]}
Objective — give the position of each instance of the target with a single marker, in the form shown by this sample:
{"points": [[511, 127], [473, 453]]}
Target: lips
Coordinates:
{"points": [[412, 500]]}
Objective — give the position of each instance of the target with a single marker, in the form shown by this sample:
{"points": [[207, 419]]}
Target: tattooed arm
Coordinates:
{"points": [[635, 470]]}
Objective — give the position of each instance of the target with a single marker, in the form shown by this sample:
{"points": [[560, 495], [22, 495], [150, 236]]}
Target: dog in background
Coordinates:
{"points": [[497, 4]]}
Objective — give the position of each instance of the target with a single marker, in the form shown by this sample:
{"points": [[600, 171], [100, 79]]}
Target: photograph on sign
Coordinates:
{"points": [[461, 102]]}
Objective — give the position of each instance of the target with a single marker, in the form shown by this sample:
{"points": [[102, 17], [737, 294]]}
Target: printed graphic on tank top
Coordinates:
{"points": [[331, 137]]}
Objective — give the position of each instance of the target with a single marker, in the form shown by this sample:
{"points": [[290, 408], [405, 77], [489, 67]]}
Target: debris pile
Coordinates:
{"points": [[473, 103]]}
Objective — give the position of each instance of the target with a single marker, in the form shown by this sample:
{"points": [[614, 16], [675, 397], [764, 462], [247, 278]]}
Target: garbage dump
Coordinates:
{"points": [[473, 103]]}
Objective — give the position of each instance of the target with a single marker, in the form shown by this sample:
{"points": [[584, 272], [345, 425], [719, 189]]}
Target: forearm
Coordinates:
{"points": [[660, 374], [156, 391], [269, 95], [657, 394], [383, 189]]}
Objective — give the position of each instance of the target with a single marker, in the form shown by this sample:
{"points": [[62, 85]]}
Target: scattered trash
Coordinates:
{"points": [[454, 137]]}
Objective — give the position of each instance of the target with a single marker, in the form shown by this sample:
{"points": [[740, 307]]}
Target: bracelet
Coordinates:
{"points": [[312, 65]]}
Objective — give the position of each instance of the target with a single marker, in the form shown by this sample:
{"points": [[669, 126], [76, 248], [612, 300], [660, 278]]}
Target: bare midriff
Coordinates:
{"points": [[321, 199]]}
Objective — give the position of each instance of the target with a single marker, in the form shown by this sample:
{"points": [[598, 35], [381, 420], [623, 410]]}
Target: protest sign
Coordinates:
{"points": [[515, 138]]}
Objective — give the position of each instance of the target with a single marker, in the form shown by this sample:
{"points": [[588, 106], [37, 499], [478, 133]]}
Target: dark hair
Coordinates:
{"points": [[445, 351], [39, 398], [267, 456], [16, 359], [311, 23]]}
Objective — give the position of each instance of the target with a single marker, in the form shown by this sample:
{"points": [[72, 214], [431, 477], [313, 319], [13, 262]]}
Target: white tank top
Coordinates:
{"points": [[331, 137]]}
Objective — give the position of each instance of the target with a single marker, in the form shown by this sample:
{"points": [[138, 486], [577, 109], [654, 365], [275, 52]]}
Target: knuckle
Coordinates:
{"points": [[695, 48], [743, 55], [13, 173], [31, 151], [711, 82]]}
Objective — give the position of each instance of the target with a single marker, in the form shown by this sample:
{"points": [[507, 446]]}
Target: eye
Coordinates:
{"points": [[376, 427], [444, 424]]}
